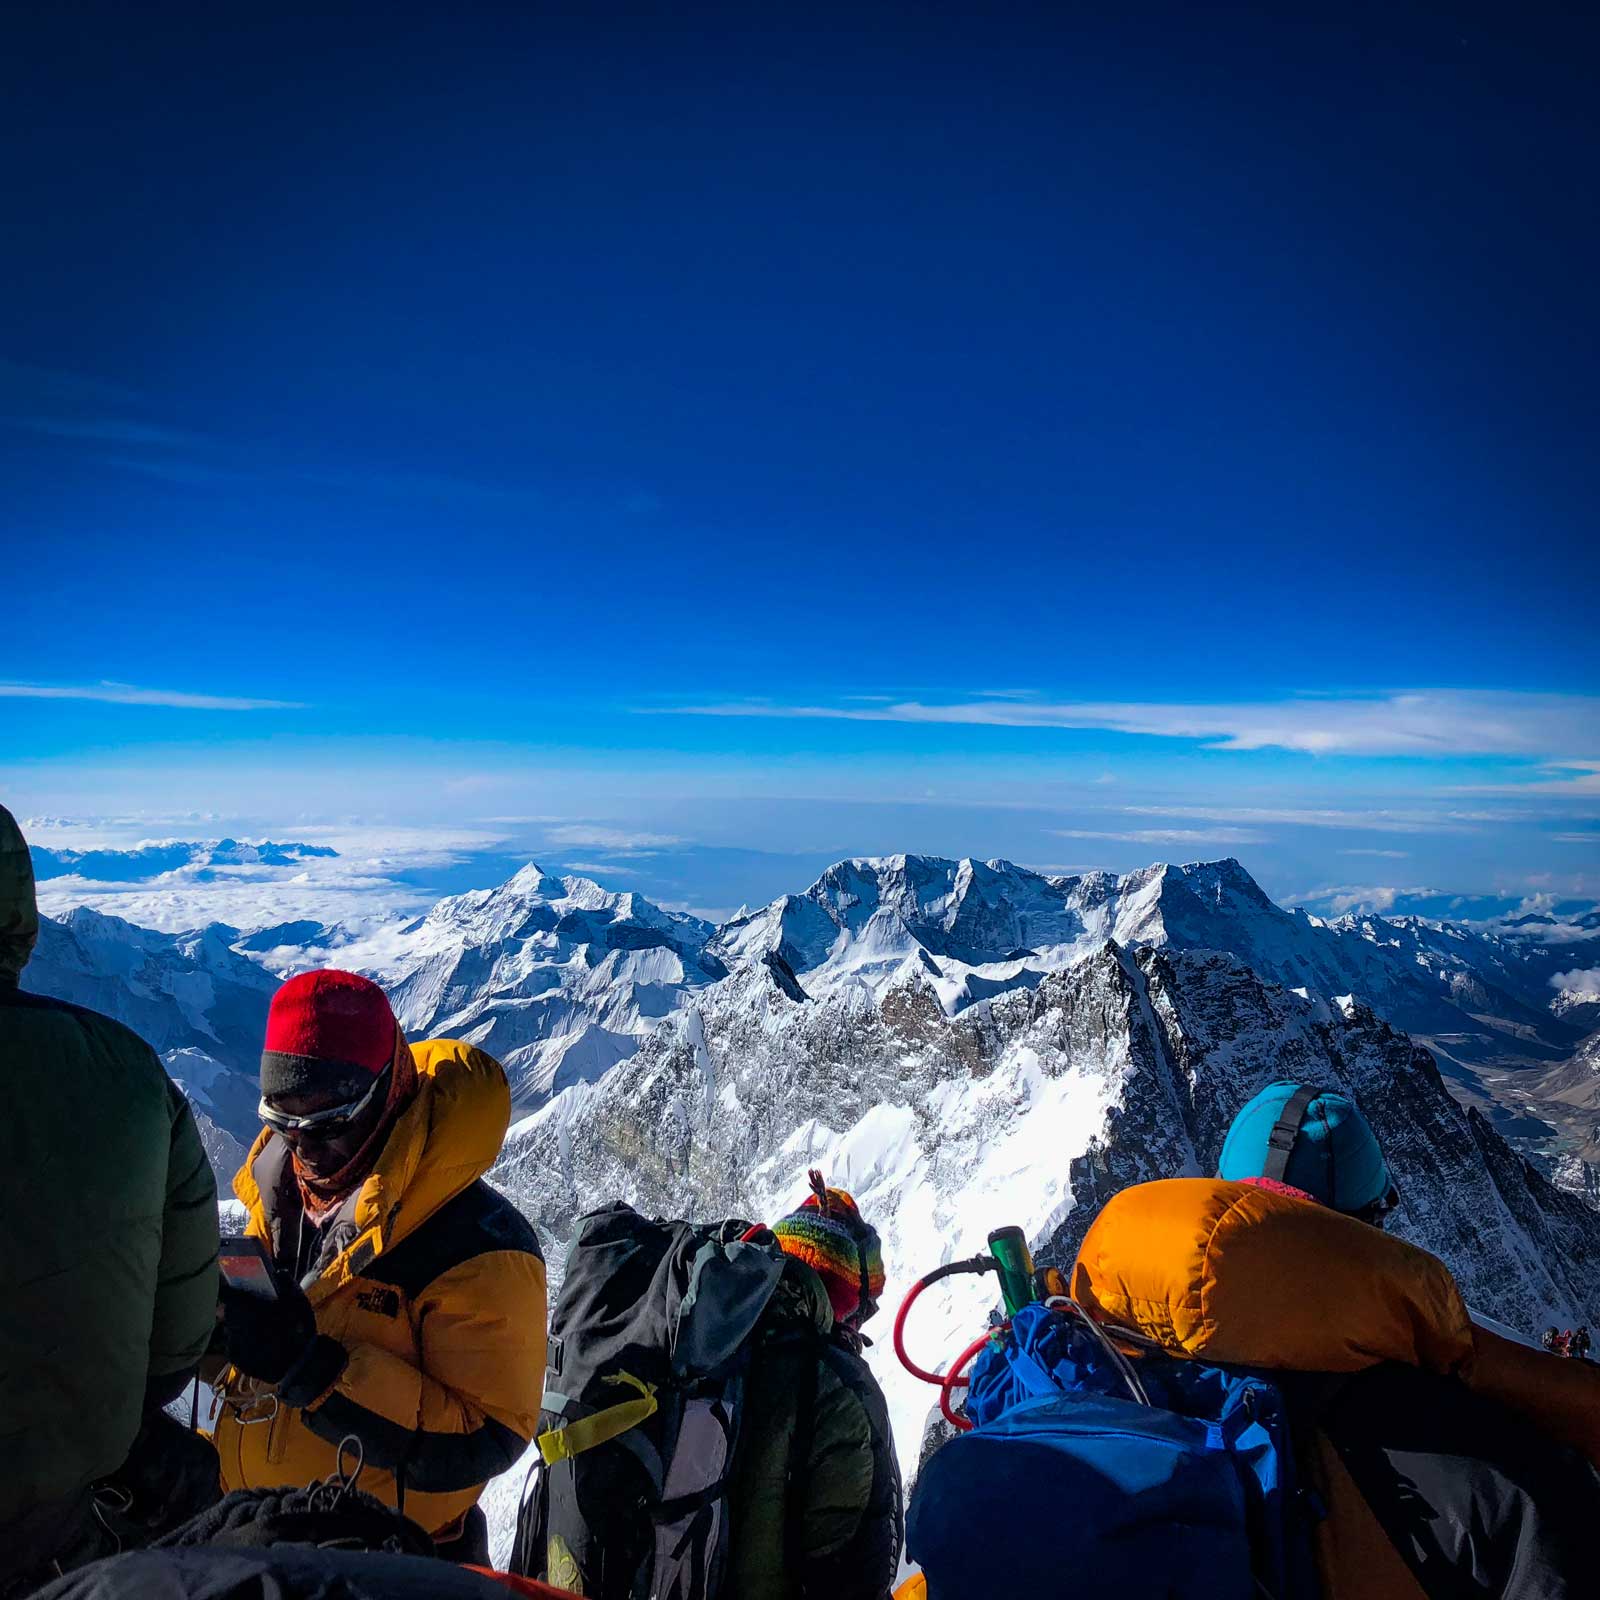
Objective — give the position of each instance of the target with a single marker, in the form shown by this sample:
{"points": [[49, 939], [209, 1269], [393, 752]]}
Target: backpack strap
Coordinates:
{"points": [[1281, 1141], [561, 1444], [800, 1441]]}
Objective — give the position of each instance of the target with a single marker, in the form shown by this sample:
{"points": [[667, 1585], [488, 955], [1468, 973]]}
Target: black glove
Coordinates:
{"points": [[263, 1337]]}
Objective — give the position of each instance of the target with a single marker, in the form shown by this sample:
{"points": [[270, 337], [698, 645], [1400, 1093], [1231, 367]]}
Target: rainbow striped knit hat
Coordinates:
{"points": [[828, 1234]]}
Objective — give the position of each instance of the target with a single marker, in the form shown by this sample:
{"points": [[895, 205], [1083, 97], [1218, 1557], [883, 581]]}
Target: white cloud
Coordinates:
{"points": [[1165, 835], [365, 882], [126, 694], [1379, 820], [1561, 778], [1392, 855], [1429, 722], [1581, 983], [591, 837], [1337, 899]]}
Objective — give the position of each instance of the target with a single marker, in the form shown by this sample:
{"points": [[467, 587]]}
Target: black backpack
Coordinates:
{"points": [[650, 1343]]}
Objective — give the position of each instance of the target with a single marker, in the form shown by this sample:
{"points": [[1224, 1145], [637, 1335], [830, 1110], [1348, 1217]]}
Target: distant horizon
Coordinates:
{"points": [[176, 881], [699, 453]]}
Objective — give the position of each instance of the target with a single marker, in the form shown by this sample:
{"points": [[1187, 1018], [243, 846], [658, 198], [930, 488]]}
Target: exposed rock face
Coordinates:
{"points": [[1030, 1108]]}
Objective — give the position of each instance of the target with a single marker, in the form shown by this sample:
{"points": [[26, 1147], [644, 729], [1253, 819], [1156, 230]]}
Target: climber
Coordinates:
{"points": [[1549, 1338], [410, 1304], [679, 1339], [108, 1281], [1413, 1422], [848, 1544], [1578, 1344]]}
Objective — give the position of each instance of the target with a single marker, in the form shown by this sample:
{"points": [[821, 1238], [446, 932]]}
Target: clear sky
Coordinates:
{"points": [[1082, 434]]}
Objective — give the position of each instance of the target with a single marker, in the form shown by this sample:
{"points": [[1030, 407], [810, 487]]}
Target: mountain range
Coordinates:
{"points": [[962, 1044], [561, 978]]}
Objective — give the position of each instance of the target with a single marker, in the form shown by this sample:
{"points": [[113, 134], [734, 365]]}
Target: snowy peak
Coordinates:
{"points": [[559, 978], [531, 902]]}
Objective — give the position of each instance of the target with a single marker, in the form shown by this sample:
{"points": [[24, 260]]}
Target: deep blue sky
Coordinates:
{"points": [[493, 377]]}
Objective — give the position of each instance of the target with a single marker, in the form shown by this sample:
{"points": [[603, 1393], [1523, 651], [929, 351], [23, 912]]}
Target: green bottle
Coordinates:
{"points": [[1009, 1247]]}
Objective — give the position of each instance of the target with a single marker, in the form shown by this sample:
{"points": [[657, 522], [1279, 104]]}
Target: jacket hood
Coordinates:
{"points": [[445, 1140], [19, 911], [1235, 1273], [801, 1297]]}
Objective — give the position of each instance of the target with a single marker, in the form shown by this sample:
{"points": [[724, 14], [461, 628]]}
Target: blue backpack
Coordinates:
{"points": [[1159, 1476]]}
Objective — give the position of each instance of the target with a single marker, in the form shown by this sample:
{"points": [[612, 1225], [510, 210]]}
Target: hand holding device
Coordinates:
{"points": [[267, 1322]]}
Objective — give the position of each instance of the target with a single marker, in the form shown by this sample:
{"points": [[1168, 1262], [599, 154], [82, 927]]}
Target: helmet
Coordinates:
{"points": [[1314, 1139]]}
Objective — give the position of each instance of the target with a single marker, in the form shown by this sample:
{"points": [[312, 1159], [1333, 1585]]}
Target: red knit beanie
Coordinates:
{"points": [[329, 1032]]}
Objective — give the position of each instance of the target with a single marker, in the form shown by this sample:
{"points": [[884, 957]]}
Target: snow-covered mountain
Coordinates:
{"points": [[1489, 997], [1029, 1106], [556, 977], [561, 978]]}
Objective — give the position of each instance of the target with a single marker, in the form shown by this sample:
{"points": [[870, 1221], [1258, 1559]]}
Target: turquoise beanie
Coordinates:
{"points": [[1333, 1156]]}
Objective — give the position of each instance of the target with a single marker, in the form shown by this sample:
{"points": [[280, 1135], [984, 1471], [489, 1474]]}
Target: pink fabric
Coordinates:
{"points": [[1275, 1187]]}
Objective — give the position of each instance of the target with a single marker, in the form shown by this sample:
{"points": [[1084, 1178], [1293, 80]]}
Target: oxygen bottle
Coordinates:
{"points": [[1009, 1247]]}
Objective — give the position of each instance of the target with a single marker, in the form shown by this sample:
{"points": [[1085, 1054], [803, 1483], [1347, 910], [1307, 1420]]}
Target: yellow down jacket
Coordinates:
{"points": [[437, 1299]]}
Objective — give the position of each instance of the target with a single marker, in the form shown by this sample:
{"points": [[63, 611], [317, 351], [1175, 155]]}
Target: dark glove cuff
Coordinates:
{"points": [[315, 1373]]}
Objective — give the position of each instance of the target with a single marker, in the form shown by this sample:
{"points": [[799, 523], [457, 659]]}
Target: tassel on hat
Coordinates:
{"points": [[829, 1234]]}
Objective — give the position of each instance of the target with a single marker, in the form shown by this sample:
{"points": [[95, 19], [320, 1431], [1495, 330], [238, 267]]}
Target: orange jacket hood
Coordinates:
{"points": [[1245, 1276]]}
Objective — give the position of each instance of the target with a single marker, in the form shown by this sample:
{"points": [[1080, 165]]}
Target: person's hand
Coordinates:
{"points": [[265, 1338]]}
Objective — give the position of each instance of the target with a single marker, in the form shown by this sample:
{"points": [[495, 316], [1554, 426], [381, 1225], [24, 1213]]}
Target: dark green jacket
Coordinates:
{"points": [[108, 1276], [845, 1543]]}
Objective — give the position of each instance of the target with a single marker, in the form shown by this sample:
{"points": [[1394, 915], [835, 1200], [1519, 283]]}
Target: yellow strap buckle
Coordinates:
{"points": [[562, 1444]]}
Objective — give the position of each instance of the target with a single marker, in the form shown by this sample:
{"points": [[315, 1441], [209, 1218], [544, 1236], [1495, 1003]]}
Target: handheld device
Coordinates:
{"points": [[1009, 1247], [245, 1266]]}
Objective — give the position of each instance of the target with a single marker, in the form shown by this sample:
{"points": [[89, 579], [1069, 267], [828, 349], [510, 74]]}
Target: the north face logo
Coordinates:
{"points": [[384, 1302]]}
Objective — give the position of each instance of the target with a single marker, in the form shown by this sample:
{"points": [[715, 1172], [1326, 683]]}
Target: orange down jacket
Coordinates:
{"points": [[1245, 1276], [439, 1301]]}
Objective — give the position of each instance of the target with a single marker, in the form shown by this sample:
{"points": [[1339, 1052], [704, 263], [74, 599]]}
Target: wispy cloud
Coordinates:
{"points": [[1391, 855], [112, 430], [1338, 899], [126, 694], [1165, 835], [1426, 722], [1571, 778], [113, 424], [1378, 819], [587, 836]]}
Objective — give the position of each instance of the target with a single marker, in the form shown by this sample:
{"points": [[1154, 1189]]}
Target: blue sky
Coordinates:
{"points": [[790, 434]]}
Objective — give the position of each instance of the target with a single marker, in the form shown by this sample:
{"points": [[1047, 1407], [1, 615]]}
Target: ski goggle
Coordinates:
{"points": [[330, 1120]]}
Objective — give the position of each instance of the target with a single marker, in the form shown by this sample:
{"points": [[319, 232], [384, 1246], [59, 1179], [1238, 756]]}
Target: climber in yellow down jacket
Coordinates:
{"points": [[411, 1304]]}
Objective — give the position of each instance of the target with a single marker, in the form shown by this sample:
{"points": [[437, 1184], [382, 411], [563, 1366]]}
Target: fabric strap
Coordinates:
{"points": [[800, 1445], [562, 1444], [1281, 1141]]}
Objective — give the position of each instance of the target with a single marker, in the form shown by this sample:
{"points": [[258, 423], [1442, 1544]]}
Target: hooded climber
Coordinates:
{"points": [[411, 1303], [1445, 1454], [108, 1278], [810, 1393]]}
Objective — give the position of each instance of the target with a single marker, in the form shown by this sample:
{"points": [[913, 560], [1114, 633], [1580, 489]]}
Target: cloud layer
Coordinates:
{"points": [[127, 694], [1561, 729]]}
